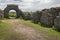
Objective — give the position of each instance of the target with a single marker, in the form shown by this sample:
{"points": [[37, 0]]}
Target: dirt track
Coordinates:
{"points": [[28, 32]]}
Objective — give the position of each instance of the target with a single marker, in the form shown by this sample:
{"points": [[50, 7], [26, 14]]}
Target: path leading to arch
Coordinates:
{"points": [[28, 32]]}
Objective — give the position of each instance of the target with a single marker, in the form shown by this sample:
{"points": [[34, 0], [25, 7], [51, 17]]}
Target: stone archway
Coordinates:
{"points": [[12, 7]]}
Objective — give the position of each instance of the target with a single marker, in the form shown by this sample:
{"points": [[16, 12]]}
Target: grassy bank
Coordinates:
{"points": [[6, 32], [48, 31]]}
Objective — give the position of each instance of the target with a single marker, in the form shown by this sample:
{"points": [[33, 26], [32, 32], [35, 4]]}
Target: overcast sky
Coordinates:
{"points": [[30, 5]]}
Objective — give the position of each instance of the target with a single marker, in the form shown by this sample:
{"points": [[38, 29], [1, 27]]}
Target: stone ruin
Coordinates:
{"points": [[36, 17], [46, 18], [12, 7], [57, 21]]}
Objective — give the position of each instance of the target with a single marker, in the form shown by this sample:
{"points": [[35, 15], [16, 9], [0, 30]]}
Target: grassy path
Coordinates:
{"points": [[29, 33], [24, 30]]}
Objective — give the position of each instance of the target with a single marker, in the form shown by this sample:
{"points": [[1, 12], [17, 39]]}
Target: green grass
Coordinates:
{"points": [[6, 32], [12, 14]]}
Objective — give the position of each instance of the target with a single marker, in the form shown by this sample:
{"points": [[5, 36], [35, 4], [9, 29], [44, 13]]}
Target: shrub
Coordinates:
{"points": [[57, 28], [36, 17], [27, 16], [12, 14]]}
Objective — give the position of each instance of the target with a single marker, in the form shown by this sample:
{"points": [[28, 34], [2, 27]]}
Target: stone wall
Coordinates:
{"points": [[36, 17], [57, 23], [46, 18]]}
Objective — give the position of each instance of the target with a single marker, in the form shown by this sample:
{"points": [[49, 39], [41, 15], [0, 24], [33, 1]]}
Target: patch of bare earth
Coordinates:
{"points": [[28, 32]]}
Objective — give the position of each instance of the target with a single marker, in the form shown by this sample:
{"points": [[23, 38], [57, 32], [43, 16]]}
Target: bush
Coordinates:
{"points": [[57, 28], [36, 17], [12, 14], [27, 16]]}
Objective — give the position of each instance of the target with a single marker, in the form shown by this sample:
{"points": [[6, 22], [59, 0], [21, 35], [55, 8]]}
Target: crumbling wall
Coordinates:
{"points": [[46, 18]]}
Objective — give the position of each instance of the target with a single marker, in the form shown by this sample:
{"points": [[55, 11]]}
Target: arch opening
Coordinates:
{"points": [[12, 14]]}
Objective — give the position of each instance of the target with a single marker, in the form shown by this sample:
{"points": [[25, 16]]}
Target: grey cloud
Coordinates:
{"points": [[17, 0], [36, 5]]}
